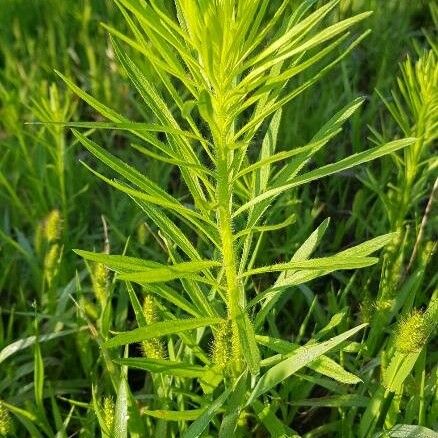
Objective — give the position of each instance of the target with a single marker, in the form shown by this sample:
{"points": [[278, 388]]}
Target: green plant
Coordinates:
{"points": [[234, 86], [414, 107], [60, 375]]}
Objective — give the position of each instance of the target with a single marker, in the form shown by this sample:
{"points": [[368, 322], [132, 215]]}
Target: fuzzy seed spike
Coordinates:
{"points": [[6, 424], [108, 409], [99, 279], [52, 226], [412, 332]]}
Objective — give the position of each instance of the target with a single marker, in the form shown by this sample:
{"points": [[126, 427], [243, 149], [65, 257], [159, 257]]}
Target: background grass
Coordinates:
{"points": [[46, 386]]}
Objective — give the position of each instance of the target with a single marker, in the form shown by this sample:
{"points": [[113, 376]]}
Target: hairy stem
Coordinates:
{"points": [[224, 195]]}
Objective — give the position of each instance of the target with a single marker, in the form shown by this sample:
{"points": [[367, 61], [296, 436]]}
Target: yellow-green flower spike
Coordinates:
{"points": [[52, 226], [50, 263], [6, 425], [367, 308], [153, 349], [38, 237], [412, 333], [150, 309], [89, 308], [99, 279], [108, 409], [221, 350]]}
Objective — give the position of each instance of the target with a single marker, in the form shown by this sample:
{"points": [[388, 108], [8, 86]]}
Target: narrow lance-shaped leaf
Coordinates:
{"points": [[158, 329], [150, 271], [335, 262], [169, 272], [119, 263], [329, 169], [323, 364], [167, 415], [297, 360], [158, 200], [123, 169], [201, 423], [248, 342], [120, 427], [163, 366], [235, 404]]}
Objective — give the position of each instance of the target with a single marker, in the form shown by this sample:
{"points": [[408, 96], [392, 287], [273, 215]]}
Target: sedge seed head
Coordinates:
{"points": [[367, 309], [153, 349], [383, 305], [108, 409], [50, 262], [52, 226], [89, 308], [6, 425], [38, 237], [99, 279], [150, 309], [412, 332]]}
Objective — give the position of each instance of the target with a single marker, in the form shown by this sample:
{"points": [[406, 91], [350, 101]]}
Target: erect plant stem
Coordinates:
{"points": [[224, 195]]}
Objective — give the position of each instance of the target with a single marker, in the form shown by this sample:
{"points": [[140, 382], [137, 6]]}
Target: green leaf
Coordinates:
{"points": [[128, 172], [235, 404], [287, 277], [272, 102], [155, 102], [138, 310], [201, 423], [329, 169], [168, 273], [323, 364], [409, 431], [368, 247], [336, 401], [93, 102], [123, 126], [163, 366], [398, 370], [205, 106], [266, 415], [293, 50], [21, 344], [174, 415], [160, 329], [248, 342], [333, 263], [174, 297], [158, 200], [39, 379], [328, 367], [303, 27], [171, 230], [146, 271], [295, 277], [118, 263], [297, 360]]}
